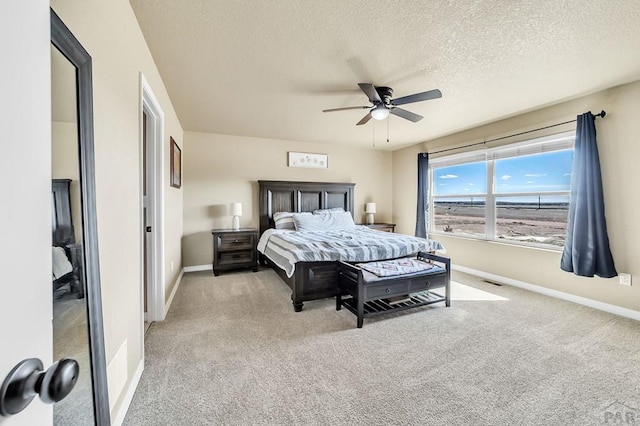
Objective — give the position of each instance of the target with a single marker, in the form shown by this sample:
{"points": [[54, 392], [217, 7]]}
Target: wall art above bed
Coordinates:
{"points": [[303, 159]]}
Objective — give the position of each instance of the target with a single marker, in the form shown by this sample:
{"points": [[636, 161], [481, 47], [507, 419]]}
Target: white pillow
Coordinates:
{"points": [[328, 211], [284, 220], [323, 222]]}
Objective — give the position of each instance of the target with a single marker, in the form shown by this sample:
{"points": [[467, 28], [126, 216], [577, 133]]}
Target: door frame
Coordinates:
{"points": [[155, 204]]}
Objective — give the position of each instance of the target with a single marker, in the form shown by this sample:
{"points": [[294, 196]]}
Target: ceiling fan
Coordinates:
{"points": [[383, 105]]}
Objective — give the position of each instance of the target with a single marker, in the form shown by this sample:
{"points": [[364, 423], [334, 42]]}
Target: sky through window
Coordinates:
{"points": [[529, 173]]}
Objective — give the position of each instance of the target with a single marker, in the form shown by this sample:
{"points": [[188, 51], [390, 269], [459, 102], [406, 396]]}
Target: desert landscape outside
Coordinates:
{"points": [[529, 220]]}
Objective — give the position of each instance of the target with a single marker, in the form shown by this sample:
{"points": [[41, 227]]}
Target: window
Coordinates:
{"points": [[460, 193], [517, 193]]}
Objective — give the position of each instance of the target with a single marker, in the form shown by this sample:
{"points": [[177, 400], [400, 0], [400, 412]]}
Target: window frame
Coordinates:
{"points": [[552, 143]]}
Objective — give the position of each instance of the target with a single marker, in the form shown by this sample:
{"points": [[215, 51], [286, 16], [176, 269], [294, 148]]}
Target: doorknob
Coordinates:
{"points": [[28, 379]]}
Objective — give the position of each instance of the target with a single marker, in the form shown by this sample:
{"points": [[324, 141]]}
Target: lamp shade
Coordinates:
{"points": [[370, 208], [236, 209]]}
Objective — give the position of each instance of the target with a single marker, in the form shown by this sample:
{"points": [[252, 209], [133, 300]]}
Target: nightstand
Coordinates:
{"points": [[386, 227], [235, 249]]}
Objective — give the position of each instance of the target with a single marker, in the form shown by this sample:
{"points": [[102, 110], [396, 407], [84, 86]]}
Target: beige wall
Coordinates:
{"points": [[110, 33], [619, 147], [221, 169]]}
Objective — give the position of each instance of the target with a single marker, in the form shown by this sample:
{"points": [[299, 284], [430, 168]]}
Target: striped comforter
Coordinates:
{"points": [[361, 244]]}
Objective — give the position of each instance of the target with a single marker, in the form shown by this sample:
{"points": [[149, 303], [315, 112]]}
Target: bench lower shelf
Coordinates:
{"points": [[381, 306]]}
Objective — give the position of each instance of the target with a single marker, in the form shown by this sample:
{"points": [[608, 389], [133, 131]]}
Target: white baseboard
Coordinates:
{"points": [[606, 307], [198, 268], [128, 397], [173, 292]]}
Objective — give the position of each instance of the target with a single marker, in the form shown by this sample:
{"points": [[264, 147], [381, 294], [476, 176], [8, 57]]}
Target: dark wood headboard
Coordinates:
{"points": [[62, 220], [288, 196]]}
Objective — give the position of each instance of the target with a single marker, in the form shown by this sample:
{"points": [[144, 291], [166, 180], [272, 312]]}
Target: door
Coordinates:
{"points": [[25, 170], [148, 231], [146, 225]]}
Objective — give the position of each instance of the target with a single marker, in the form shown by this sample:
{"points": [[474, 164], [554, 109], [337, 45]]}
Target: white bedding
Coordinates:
{"points": [[61, 264], [360, 244]]}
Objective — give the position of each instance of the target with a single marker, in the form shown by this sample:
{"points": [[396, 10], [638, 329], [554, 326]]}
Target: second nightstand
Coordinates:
{"points": [[387, 227], [235, 249]]}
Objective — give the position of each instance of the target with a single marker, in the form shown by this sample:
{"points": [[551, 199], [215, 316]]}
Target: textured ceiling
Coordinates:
{"points": [[268, 68]]}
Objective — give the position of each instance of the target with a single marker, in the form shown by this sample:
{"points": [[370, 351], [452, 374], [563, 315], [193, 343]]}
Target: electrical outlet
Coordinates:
{"points": [[625, 279]]}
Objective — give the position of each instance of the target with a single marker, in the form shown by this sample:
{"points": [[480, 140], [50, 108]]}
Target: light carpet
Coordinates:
{"points": [[233, 352], [71, 340]]}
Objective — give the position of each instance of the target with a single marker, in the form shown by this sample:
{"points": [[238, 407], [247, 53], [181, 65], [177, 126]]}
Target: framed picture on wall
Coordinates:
{"points": [[303, 159], [176, 164]]}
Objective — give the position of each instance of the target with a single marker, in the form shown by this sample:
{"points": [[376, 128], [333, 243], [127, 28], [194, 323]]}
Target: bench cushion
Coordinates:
{"points": [[406, 267]]}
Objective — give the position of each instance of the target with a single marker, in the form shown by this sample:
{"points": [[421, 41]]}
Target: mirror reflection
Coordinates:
{"points": [[70, 332]]}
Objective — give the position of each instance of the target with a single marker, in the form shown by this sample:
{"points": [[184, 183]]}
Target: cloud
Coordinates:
{"points": [[535, 174], [471, 184], [505, 177], [448, 176], [530, 181], [443, 184], [567, 174]]}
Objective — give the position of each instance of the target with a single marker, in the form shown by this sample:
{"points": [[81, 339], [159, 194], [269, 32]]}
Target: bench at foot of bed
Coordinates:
{"points": [[372, 295]]}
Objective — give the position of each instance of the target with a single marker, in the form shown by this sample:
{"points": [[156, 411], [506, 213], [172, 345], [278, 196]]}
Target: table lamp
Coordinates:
{"points": [[370, 209], [236, 212]]}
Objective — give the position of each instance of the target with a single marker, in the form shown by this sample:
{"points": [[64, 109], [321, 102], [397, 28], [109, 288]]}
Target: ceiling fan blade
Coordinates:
{"points": [[407, 115], [345, 108], [371, 92], [417, 97], [364, 120]]}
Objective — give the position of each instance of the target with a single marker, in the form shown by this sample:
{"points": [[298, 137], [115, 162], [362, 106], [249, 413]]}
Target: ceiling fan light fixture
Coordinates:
{"points": [[380, 112], [382, 103]]}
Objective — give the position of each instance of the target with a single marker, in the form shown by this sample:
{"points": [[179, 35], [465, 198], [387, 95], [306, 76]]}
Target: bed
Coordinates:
{"points": [[317, 279], [67, 254]]}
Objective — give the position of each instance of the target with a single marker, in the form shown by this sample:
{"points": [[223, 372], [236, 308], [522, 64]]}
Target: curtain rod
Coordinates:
{"points": [[600, 114]]}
